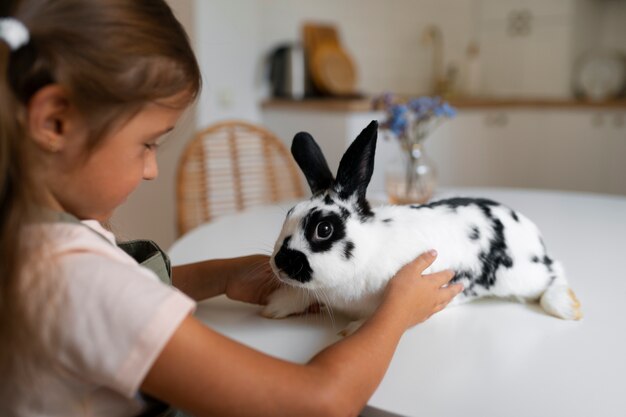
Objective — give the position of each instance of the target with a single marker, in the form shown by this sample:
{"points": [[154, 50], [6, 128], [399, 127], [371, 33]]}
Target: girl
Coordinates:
{"points": [[87, 89]]}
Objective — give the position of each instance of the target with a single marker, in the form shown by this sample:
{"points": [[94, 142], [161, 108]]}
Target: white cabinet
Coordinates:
{"points": [[578, 150], [615, 143], [529, 47], [491, 148]]}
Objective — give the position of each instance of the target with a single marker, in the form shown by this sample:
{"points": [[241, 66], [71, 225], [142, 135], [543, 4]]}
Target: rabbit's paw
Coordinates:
{"points": [[352, 327], [284, 302]]}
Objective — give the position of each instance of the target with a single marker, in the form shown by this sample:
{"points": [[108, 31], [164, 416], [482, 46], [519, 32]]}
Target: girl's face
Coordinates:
{"points": [[94, 187]]}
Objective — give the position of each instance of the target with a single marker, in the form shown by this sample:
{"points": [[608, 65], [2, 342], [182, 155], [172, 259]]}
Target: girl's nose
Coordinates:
{"points": [[150, 168]]}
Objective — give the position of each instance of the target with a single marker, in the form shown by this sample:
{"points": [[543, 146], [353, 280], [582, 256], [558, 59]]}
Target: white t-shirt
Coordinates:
{"points": [[113, 319]]}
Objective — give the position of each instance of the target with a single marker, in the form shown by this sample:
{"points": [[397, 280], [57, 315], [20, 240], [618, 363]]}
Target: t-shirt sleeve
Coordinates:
{"points": [[114, 319]]}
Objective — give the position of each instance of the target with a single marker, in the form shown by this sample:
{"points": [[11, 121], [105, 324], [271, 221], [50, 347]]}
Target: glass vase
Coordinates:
{"points": [[411, 178]]}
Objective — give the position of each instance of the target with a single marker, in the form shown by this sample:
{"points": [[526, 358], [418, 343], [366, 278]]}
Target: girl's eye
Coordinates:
{"points": [[323, 230], [155, 144]]}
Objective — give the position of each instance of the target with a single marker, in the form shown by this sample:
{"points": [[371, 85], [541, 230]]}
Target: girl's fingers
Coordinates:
{"points": [[440, 307], [451, 291], [441, 278], [424, 261], [444, 300]]}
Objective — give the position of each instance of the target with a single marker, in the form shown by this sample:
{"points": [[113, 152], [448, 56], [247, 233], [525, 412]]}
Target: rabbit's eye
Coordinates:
{"points": [[323, 230]]}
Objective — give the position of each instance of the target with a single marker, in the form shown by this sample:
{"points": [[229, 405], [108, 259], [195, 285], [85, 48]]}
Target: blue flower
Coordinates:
{"points": [[397, 123], [421, 106], [408, 120], [445, 110]]}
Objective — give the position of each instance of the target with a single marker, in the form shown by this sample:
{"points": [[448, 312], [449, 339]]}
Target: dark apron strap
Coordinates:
{"points": [[149, 254]]}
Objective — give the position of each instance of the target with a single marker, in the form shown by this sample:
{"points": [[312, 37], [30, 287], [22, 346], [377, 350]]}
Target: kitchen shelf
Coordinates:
{"points": [[365, 104]]}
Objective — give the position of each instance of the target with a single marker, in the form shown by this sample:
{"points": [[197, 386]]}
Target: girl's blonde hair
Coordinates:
{"points": [[112, 57]]}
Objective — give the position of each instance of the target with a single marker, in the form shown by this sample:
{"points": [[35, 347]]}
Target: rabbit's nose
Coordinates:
{"points": [[294, 263]]}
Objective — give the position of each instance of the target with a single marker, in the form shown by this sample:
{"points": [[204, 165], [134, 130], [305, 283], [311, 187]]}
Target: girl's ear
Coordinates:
{"points": [[310, 158], [50, 118], [357, 164]]}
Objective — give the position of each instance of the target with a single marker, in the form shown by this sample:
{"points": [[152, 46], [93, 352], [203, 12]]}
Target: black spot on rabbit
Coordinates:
{"points": [[294, 263], [323, 229], [496, 256], [456, 202], [546, 260], [348, 247], [364, 211]]}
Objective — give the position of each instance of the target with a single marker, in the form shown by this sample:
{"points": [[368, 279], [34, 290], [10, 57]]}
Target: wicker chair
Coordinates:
{"points": [[230, 166]]}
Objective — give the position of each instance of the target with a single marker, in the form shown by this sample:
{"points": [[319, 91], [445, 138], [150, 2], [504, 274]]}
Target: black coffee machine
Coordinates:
{"points": [[288, 73]]}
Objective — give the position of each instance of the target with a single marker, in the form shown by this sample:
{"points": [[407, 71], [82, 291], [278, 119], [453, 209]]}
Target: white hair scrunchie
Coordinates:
{"points": [[13, 32]]}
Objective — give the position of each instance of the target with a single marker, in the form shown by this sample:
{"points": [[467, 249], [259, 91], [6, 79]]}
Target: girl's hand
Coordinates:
{"points": [[421, 295], [337, 381], [251, 280]]}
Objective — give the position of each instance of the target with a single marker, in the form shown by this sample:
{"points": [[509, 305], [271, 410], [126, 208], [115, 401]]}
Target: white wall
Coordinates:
{"points": [[227, 33], [383, 36], [231, 37], [614, 25]]}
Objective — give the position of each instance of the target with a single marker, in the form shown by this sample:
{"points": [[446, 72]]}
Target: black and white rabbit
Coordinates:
{"points": [[336, 249]]}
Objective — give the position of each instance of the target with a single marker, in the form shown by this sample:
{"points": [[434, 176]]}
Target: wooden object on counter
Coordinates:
{"points": [[230, 166], [332, 70]]}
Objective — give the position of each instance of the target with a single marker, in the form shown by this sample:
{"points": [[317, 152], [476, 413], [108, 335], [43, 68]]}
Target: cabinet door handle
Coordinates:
{"points": [[496, 119], [520, 22], [597, 120]]}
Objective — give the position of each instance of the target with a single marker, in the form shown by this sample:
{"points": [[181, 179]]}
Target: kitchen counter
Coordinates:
{"points": [[365, 104], [566, 145]]}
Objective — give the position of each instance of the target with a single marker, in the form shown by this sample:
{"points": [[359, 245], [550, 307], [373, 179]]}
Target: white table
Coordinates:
{"points": [[487, 358]]}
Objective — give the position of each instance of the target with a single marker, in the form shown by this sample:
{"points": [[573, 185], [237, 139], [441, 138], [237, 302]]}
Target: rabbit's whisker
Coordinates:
{"points": [[329, 307]]}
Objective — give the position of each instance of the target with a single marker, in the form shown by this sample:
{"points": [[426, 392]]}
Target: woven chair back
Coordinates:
{"points": [[229, 167]]}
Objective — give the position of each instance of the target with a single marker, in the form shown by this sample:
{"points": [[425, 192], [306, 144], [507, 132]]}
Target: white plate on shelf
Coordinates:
{"points": [[600, 75]]}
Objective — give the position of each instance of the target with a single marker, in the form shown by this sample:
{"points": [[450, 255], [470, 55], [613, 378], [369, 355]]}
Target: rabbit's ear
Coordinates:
{"points": [[357, 164], [310, 158]]}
